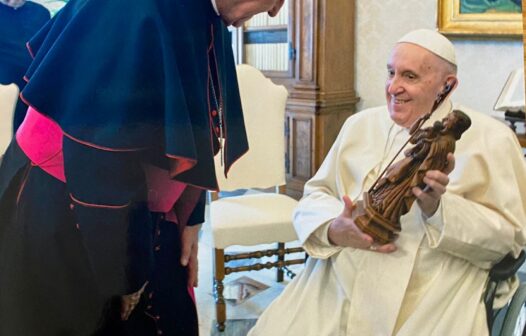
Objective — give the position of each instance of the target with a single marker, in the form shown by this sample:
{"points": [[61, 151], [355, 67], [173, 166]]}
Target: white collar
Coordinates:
{"points": [[215, 6], [440, 113]]}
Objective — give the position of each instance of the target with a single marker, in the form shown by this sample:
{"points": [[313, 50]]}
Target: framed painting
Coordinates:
{"points": [[480, 17]]}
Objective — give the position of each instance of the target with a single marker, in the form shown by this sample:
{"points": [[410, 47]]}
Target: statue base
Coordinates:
{"points": [[372, 223]]}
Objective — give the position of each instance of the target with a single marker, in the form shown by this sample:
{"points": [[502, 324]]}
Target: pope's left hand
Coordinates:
{"points": [[190, 238], [436, 181]]}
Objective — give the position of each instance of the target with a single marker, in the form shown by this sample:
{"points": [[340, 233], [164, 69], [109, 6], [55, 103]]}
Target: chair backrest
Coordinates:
{"points": [[8, 99], [263, 166]]}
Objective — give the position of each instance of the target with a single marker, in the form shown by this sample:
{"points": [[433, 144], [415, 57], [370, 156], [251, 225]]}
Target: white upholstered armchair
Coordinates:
{"points": [[8, 99]]}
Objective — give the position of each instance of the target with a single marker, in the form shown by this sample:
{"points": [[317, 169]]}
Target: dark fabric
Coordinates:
{"points": [[18, 26], [46, 285], [12, 161], [166, 305], [198, 214], [55, 258], [128, 83], [108, 192], [166, 300], [174, 310], [144, 85]]}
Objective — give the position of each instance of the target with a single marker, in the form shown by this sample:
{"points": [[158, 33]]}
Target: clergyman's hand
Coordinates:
{"points": [[436, 182], [190, 238], [344, 232]]}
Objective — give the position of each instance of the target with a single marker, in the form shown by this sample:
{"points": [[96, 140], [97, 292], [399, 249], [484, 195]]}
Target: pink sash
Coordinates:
{"points": [[40, 139]]}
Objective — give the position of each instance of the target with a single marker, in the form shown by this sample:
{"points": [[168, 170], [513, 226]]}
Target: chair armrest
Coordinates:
{"points": [[507, 267]]}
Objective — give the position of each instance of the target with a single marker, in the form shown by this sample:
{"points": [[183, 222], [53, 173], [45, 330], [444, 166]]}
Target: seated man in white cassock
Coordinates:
{"points": [[430, 280]]}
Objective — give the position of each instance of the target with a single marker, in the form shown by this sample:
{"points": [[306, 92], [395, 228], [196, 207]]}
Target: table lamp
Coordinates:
{"points": [[511, 98]]}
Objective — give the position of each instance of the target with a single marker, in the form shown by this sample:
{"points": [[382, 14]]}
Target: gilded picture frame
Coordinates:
{"points": [[470, 18]]}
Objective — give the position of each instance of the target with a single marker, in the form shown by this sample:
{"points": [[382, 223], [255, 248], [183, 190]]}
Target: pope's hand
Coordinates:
{"points": [[429, 198], [344, 232]]}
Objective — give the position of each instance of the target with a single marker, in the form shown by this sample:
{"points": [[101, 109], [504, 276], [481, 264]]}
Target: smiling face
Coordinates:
{"points": [[415, 78], [235, 12]]}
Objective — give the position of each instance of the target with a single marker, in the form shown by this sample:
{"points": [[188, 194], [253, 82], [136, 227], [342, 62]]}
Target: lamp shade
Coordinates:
{"points": [[511, 98]]}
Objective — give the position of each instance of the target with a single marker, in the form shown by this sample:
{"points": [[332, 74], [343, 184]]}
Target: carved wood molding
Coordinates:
{"points": [[306, 35], [322, 102]]}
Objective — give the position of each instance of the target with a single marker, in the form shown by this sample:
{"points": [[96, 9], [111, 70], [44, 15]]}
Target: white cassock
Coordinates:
{"points": [[433, 283]]}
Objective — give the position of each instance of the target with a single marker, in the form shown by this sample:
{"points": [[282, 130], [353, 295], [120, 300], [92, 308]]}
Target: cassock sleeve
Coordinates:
{"points": [[320, 205]]}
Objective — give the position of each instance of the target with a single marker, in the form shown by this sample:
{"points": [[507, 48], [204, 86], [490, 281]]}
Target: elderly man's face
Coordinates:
{"points": [[235, 12], [415, 77], [13, 3]]}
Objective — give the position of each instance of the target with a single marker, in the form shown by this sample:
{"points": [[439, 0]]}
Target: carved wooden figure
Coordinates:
{"points": [[391, 196]]}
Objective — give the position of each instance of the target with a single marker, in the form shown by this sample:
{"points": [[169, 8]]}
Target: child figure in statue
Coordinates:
{"points": [[392, 196]]}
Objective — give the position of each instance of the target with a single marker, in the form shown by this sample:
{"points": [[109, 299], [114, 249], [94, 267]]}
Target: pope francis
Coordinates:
{"points": [[430, 280]]}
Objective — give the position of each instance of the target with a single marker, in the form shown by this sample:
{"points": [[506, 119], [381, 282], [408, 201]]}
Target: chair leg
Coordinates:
{"points": [[281, 257], [219, 276]]}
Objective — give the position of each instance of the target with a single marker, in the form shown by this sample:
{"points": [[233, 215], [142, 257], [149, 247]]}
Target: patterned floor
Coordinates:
{"points": [[234, 327]]}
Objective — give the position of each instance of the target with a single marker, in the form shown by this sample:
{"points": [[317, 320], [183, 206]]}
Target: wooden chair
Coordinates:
{"points": [[8, 99], [257, 218]]}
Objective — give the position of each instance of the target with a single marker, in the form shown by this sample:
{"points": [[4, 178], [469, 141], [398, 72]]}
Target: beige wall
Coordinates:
{"points": [[484, 64]]}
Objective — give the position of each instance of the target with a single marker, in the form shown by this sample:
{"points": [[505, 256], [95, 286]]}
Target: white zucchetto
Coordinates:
{"points": [[433, 41]]}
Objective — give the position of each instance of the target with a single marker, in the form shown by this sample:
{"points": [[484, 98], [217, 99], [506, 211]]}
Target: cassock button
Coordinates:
{"points": [[214, 113], [158, 248], [217, 130], [71, 206]]}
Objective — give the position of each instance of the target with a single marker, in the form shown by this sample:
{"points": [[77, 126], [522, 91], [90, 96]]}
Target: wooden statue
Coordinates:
{"points": [[391, 196]]}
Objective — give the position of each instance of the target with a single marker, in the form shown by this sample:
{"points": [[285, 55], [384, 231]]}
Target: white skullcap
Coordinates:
{"points": [[433, 41]]}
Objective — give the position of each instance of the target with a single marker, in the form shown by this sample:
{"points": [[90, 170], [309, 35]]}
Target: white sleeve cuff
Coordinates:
{"points": [[433, 226], [436, 220], [318, 245]]}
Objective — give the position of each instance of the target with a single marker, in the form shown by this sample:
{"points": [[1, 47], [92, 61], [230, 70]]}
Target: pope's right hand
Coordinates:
{"points": [[344, 232]]}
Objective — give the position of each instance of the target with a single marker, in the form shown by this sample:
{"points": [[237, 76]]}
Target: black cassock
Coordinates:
{"points": [[130, 84]]}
